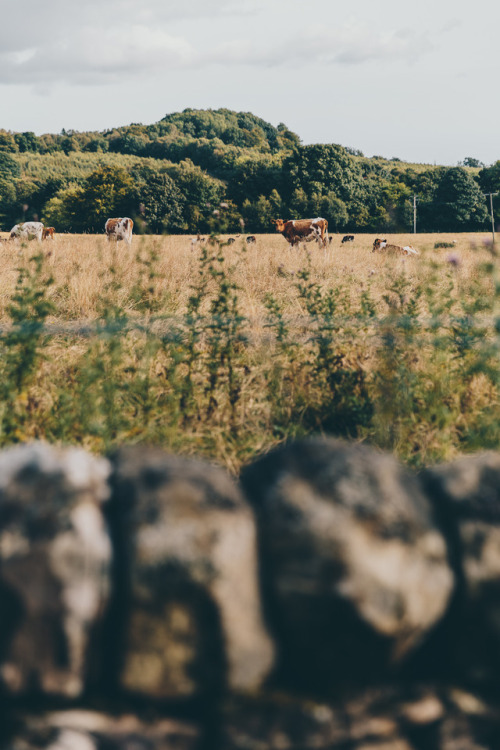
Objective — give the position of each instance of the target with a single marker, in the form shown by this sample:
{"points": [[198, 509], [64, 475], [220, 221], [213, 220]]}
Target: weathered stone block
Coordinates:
{"points": [[467, 495], [354, 566], [54, 566], [189, 601]]}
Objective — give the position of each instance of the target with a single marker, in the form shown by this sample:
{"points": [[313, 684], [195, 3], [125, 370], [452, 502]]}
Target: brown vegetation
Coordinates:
{"points": [[226, 350]]}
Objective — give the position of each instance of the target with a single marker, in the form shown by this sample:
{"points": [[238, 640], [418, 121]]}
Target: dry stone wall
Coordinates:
{"points": [[328, 599]]}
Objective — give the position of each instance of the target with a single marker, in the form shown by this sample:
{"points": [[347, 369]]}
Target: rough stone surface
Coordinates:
{"points": [[282, 723], [467, 495], [352, 556], [356, 578], [89, 730], [397, 717], [190, 603], [54, 566]]}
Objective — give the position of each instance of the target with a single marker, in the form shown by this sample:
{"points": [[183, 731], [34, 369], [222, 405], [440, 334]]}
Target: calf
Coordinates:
{"points": [[348, 238], [383, 245], [48, 233], [296, 231], [119, 229]]}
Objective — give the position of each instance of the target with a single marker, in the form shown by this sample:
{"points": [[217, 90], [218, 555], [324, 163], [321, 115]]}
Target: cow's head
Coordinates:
{"points": [[378, 245], [279, 224]]}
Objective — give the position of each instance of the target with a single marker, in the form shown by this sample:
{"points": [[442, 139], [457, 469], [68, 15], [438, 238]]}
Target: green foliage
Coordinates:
{"points": [[470, 161], [161, 202], [9, 168], [109, 191], [462, 204], [188, 162], [22, 347], [345, 405], [7, 142]]}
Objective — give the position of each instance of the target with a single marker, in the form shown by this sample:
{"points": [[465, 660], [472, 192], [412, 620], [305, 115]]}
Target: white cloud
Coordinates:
{"points": [[90, 54], [347, 45]]}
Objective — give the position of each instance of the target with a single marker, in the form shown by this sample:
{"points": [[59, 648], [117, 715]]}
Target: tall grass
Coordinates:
{"points": [[227, 350]]}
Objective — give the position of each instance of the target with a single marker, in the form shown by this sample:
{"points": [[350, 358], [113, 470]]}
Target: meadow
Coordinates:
{"points": [[226, 350]]}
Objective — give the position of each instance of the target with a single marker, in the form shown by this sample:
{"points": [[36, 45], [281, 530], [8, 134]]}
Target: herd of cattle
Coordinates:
{"points": [[295, 231], [116, 229]]}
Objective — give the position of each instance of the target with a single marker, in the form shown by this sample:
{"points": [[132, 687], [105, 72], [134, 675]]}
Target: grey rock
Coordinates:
{"points": [[280, 722], [91, 730], [187, 555], [356, 570], [466, 493], [55, 557]]}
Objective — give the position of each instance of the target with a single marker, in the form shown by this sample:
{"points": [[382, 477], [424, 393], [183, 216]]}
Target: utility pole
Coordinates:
{"points": [[491, 211], [414, 213]]}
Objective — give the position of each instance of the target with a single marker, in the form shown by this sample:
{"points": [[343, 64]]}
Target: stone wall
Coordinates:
{"points": [[330, 599]]}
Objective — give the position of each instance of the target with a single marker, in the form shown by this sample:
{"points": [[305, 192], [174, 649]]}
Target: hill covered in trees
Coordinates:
{"points": [[170, 177]]}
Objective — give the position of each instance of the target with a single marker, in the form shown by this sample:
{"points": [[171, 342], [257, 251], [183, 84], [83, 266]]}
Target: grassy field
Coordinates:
{"points": [[78, 264], [227, 350]]}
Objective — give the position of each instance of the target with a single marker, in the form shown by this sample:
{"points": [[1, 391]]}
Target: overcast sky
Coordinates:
{"points": [[417, 80]]}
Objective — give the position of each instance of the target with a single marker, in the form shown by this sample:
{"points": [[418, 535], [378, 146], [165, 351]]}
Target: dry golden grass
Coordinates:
{"points": [[79, 265], [81, 386]]}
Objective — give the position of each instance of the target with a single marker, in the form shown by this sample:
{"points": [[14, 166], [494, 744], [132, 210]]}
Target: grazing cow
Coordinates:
{"points": [[348, 238], [119, 229], [388, 248], [48, 233], [296, 231], [29, 230], [251, 238]]}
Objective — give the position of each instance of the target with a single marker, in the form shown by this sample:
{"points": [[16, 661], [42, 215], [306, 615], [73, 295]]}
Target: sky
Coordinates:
{"points": [[414, 80]]}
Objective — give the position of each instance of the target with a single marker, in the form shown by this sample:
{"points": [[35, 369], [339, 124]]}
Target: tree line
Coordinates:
{"points": [[172, 175]]}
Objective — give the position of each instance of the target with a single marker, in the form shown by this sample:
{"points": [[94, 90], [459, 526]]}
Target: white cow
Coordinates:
{"points": [[28, 230], [119, 229]]}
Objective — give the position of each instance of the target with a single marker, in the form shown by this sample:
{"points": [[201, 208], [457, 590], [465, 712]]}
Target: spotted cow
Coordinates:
{"points": [[296, 231], [28, 230], [119, 229]]}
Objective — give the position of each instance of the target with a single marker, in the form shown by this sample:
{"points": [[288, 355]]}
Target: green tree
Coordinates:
{"points": [[7, 141], [489, 180], [26, 142], [335, 211], [460, 201], [322, 168], [470, 161], [276, 204], [259, 215], [9, 171], [162, 203], [108, 191]]}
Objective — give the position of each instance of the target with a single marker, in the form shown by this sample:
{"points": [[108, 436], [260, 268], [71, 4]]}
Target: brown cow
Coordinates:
{"points": [[119, 229], [388, 248], [296, 231], [48, 233]]}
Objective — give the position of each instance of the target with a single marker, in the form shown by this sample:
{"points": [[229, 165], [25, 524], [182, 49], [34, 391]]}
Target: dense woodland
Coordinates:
{"points": [[173, 175]]}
